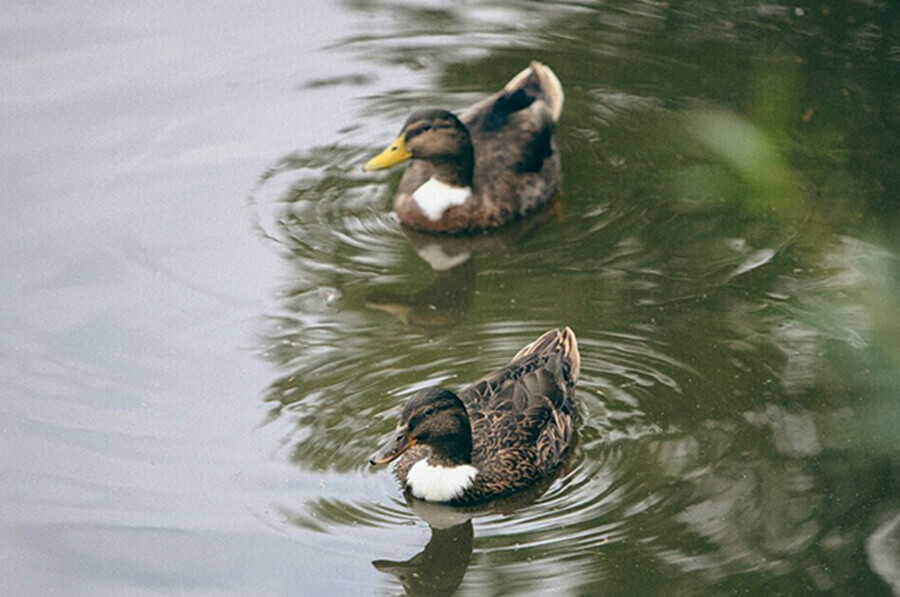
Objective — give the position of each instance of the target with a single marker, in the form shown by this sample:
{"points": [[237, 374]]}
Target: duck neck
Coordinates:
{"points": [[451, 451], [457, 171]]}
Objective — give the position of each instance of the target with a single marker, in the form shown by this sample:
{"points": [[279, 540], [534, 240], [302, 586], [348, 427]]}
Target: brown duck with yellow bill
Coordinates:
{"points": [[495, 163]]}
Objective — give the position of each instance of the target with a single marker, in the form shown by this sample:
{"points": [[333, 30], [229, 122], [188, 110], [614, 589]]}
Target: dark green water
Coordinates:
{"points": [[212, 318]]}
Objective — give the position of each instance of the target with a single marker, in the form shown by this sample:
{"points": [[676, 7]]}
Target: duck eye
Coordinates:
{"points": [[428, 411], [426, 127]]}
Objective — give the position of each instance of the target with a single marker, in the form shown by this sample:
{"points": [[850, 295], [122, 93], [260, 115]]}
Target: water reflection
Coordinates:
{"points": [[737, 302], [699, 465], [734, 437], [450, 294], [442, 303], [440, 567], [688, 510]]}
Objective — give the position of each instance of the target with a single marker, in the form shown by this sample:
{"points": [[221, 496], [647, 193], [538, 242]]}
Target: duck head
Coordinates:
{"points": [[434, 417], [436, 136]]}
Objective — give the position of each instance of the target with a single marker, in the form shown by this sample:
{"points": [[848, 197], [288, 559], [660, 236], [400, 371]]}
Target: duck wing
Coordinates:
{"points": [[523, 415], [513, 130], [537, 83]]}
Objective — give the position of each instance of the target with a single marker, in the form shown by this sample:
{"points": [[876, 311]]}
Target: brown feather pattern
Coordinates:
{"points": [[516, 158], [522, 419]]}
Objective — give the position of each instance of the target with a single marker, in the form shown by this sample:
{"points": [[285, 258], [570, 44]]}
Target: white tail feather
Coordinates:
{"points": [[549, 84]]}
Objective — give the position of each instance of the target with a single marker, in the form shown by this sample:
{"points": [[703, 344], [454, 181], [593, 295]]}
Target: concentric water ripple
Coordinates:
{"points": [[369, 318], [694, 325]]}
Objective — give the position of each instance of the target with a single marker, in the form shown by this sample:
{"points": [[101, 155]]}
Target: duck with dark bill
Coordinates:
{"points": [[501, 434]]}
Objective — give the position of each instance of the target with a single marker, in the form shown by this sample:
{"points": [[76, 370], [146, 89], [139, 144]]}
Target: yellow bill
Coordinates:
{"points": [[394, 154]]}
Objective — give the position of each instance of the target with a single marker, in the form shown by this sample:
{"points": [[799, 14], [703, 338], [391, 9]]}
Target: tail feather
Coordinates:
{"points": [[562, 341], [570, 350], [548, 83]]}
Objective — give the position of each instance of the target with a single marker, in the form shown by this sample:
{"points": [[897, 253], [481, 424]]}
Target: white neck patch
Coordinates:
{"points": [[439, 483], [435, 197]]}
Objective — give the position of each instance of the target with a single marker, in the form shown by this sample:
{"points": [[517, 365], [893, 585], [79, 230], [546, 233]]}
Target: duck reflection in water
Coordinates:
{"points": [[444, 302], [439, 569]]}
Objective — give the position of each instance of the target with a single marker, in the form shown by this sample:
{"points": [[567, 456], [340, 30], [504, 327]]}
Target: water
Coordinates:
{"points": [[211, 318]]}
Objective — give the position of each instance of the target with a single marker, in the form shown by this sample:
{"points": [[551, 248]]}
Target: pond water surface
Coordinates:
{"points": [[211, 317]]}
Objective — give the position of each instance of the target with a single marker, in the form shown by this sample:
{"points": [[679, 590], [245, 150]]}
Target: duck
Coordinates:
{"points": [[500, 435], [496, 162]]}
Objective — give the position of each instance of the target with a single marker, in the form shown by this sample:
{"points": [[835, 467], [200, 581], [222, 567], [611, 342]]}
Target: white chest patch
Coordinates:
{"points": [[435, 197], [439, 483]]}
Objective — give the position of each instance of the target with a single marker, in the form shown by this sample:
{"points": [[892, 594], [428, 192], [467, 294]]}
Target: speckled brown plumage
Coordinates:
{"points": [[516, 158], [522, 419]]}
